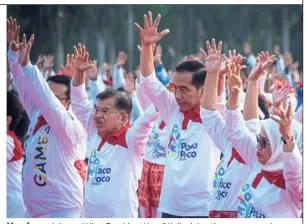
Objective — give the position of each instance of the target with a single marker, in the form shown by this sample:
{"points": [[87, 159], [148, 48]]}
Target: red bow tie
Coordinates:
{"points": [[193, 115], [276, 178], [40, 122], [235, 155]]}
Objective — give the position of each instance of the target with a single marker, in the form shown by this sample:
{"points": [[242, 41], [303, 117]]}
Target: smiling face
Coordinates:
{"points": [[264, 151], [186, 94]]}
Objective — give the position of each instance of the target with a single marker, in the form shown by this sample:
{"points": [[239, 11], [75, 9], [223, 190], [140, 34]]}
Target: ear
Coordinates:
{"points": [[68, 103], [124, 119], [8, 121], [201, 90]]}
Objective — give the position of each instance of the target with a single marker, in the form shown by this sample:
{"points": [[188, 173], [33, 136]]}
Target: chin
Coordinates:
{"points": [[261, 161]]}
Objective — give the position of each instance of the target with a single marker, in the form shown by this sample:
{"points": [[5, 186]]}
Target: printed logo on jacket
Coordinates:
{"points": [[40, 159], [178, 149], [153, 145], [220, 187], [246, 208], [97, 174]]}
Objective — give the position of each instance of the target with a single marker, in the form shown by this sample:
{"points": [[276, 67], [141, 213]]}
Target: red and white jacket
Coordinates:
{"points": [[50, 183], [265, 194], [15, 205], [227, 182], [192, 157], [113, 167]]}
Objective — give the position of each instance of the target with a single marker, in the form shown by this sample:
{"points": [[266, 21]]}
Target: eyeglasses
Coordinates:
{"points": [[104, 111], [262, 141]]}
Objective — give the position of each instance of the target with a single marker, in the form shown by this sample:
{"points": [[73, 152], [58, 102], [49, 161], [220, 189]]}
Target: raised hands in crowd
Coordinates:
{"points": [[213, 81]]}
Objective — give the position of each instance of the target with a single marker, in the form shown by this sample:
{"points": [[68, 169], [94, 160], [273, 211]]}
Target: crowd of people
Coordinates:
{"points": [[220, 137]]}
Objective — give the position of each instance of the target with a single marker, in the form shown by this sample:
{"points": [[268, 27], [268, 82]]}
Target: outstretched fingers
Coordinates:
{"points": [[157, 21], [138, 27]]}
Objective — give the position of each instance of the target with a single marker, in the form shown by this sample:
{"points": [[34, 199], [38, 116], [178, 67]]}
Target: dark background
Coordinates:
{"points": [[107, 29]]}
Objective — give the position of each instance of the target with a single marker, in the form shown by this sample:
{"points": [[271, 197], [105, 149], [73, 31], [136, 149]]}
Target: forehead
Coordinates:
{"points": [[182, 78], [57, 88], [105, 103]]}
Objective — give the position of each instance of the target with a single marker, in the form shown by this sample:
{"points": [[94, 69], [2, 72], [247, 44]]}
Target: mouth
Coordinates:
{"points": [[258, 154], [99, 122]]}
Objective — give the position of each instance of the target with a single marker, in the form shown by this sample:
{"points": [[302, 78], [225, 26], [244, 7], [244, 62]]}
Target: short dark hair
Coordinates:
{"points": [[61, 79], [197, 69], [122, 99], [20, 120]]}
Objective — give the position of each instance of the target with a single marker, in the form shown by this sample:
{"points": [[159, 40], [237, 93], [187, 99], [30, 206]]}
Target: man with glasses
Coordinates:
{"points": [[116, 148], [52, 187]]}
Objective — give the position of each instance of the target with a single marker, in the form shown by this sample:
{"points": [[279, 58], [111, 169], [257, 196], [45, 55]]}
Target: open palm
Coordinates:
{"points": [[149, 35], [82, 63], [13, 34]]}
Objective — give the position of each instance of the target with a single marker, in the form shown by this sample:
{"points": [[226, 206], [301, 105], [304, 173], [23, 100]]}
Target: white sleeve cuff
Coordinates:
{"points": [[13, 54], [149, 79], [78, 91]]}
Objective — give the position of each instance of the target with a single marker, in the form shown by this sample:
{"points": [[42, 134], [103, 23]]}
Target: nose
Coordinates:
{"points": [[178, 96]]}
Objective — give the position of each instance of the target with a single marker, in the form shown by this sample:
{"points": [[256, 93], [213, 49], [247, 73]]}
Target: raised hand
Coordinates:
{"points": [[40, 61], [68, 70], [48, 62], [233, 57], [82, 63], [105, 67], [263, 61], [149, 35], [24, 50], [121, 59], [130, 85], [92, 73], [214, 58], [284, 120], [156, 57], [234, 79], [282, 94], [13, 34]]}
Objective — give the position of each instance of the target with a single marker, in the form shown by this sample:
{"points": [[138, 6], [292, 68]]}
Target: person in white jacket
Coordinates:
{"points": [[117, 149], [226, 191], [52, 187], [17, 126], [186, 192], [274, 187]]}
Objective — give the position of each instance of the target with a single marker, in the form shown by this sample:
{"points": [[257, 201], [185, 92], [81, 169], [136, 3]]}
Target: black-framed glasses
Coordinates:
{"points": [[263, 142], [104, 111]]}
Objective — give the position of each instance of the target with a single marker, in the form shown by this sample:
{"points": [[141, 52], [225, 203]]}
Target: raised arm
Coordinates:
{"points": [[81, 105], [138, 134], [238, 134], [64, 124], [15, 67], [118, 71], [263, 61], [292, 158], [163, 100]]}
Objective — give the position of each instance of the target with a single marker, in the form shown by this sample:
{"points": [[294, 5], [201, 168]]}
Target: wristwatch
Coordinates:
{"points": [[287, 141]]}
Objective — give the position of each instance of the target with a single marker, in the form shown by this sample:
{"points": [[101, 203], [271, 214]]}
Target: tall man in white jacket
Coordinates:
{"points": [[117, 149], [192, 156], [52, 187]]}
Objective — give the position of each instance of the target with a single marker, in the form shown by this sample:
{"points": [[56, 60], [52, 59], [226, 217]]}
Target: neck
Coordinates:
{"points": [[110, 133]]}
